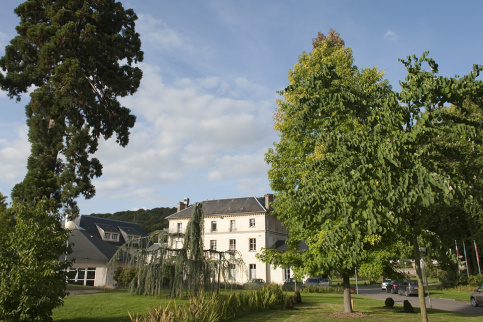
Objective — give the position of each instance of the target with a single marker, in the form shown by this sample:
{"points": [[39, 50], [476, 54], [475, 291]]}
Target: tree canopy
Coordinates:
{"points": [[76, 58], [358, 164]]}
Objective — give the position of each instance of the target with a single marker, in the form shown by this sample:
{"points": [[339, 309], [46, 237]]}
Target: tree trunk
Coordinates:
{"points": [[417, 262], [347, 292]]}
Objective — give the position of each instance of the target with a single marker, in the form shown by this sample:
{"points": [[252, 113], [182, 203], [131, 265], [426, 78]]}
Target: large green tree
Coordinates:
{"points": [[326, 166], [76, 58]]}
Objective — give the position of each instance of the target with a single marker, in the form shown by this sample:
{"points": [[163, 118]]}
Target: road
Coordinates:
{"points": [[439, 304]]}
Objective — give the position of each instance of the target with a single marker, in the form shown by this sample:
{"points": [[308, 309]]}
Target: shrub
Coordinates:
{"points": [[289, 302], [475, 280], [323, 289], [389, 302], [408, 308], [32, 278], [124, 276], [297, 298]]}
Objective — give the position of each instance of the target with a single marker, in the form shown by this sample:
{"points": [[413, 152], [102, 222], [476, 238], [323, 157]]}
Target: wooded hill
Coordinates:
{"points": [[149, 219]]}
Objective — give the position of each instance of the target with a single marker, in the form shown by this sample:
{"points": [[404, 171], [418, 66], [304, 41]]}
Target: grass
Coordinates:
{"points": [[107, 306], [110, 306], [319, 307], [460, 293]]}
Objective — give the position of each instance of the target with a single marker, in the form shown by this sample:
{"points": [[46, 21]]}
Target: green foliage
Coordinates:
{"points": [[389, 302], [475, 280], [124, 276], [32, 249], [323, 289], [220, 307], [78, 57], [150, 220]]}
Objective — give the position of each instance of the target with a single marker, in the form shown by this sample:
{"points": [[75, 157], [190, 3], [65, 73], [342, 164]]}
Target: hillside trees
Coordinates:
{"points": [[77, 58]]}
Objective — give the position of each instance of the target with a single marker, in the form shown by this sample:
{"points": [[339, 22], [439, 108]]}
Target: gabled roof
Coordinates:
{"points": [[224, 207], [90, 224]]}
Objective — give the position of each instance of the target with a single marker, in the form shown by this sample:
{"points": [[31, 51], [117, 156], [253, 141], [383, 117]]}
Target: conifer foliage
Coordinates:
{"points": [[77, 57]]}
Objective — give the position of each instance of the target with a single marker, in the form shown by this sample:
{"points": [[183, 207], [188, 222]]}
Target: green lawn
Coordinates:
{"points": [[110, 306]]}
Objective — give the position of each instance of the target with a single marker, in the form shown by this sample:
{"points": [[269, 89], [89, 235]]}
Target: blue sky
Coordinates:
{"points": [[211, 71]]}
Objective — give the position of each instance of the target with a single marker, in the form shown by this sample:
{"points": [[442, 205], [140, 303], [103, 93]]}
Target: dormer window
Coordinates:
{"points": [[107, 236], [115, 236]]}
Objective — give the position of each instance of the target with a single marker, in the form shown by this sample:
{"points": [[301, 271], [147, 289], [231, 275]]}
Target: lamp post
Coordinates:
{"points": [[422, 250]]}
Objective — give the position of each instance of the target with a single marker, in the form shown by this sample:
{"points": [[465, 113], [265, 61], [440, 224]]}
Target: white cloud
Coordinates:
{"points": [[186, 132], [390, 35], [156, 34], [13, 157]]}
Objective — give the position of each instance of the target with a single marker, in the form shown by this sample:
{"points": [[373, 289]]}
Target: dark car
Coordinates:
{"points": [[393, 287], [254, 283], [408, 288], [289, 284], [476, 297]]}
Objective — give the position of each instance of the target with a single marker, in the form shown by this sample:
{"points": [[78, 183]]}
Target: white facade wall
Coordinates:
{"points": [[243, 229]]}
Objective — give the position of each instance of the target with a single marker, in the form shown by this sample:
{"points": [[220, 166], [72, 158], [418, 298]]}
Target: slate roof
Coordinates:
{"points": [[224, 207], [87, 247], [90, 223]]}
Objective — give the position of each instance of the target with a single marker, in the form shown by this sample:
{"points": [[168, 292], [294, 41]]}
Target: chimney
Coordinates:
{"points": [[268, 200], [183, 205]]}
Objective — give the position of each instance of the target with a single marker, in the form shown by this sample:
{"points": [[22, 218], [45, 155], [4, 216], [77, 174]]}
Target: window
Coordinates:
{"points": [[179, 228], [179, 244], [130, 237], [253, 271], [286, 273], [232, 225], [252, 222], [115, 236], [253, 244], [107, 236], [213, 226], [232, 244], [81, 276], [213, 244]]}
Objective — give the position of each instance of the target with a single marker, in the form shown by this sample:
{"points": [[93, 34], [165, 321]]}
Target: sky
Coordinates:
{"points": [[212, 70]]}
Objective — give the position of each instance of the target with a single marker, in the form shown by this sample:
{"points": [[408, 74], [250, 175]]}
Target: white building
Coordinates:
{"points": [[241, 224]]}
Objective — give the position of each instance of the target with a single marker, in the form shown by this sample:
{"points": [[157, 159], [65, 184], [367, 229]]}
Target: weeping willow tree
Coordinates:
{"points": [[185, 271]]}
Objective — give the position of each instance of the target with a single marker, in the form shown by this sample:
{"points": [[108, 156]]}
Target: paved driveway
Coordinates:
{"points": [[439, 304]]}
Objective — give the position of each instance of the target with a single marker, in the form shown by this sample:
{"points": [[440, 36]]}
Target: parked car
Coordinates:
{"points": [[254, 283], [311, 281], [289, 284], [384, 283], [408, 288], [393, 287], [476, 297], [318, 281], [325, 281]]}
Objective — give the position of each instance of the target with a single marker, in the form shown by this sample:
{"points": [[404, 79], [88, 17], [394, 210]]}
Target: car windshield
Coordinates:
{"points": [[312, 280]]}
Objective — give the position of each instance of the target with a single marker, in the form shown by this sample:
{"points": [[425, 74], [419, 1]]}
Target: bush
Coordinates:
{"points": [[408, 308], [216, 307], [289, 302], [297, 298], [124, 276], [32, 278], [475, 280], [389, 302], [323, 289]]}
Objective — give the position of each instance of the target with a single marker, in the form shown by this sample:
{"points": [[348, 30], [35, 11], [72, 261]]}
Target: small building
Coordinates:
{"points": [[245, 225], [94, 242]]}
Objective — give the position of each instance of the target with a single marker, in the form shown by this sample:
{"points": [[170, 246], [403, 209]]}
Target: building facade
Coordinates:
{"points": [[244, 225]]}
